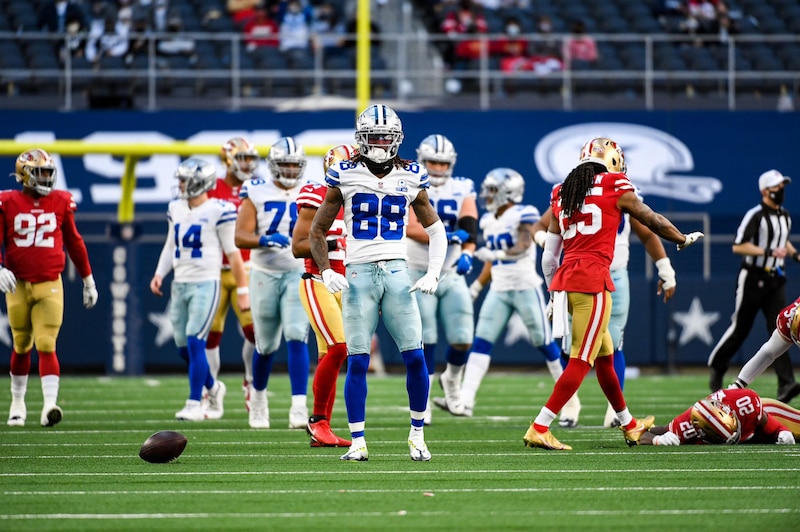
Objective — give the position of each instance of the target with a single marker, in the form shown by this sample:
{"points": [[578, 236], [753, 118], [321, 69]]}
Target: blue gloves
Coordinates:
{"points": [[275, 240], [464, 264], [459, 236]]}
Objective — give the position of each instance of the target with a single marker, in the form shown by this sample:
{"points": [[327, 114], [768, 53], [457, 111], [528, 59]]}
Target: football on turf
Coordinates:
{"points": [[162, 447]]}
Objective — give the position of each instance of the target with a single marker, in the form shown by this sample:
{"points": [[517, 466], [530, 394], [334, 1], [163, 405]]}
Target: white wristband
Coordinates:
{"points": [[242, 290]]}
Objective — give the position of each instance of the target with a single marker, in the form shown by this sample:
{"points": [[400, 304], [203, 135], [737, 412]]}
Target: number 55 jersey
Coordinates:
{"points": [[35, 232], [376, 209]]}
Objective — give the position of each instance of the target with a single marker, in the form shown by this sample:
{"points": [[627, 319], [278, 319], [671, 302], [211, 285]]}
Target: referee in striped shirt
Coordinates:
{"points": [[763, 241]]}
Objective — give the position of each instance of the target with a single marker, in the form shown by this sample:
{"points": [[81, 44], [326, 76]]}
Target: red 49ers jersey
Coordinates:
{"points": [[311, 196], [589, 236], [228, 193], [746, 403], [35, 232], [784, 322]]}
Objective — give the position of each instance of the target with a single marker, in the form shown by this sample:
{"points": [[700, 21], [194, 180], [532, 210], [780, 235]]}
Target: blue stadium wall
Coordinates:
{"points": [[686, 163]]}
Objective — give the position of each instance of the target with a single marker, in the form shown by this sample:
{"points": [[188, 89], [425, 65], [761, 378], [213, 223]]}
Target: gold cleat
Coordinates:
{"points": [[632, 436], [544, 440]]}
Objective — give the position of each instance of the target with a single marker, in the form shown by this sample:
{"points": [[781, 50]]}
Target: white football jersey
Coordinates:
{"points": [[198, 238], [376, 210], [276, 212], [447, 200], [503, 233], [622, 245]]}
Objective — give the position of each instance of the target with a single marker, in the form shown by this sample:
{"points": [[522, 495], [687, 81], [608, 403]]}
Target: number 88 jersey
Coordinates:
{"points": [[376, 209]]}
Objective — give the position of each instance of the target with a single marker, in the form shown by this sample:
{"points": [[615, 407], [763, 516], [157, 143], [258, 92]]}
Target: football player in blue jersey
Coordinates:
{"points": [[377, 189], [453, 198]]}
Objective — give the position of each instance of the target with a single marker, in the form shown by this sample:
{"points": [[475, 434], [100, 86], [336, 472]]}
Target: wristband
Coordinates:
{"points": [[332, 245], [796, 256], [767, 252], [242, 290]]}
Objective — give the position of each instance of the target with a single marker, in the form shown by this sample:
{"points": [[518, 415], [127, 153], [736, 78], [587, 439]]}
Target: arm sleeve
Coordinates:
{"points": [[551, 255], [437, 247], [167, 253], [226, 233], [470, 225], [75, 245]]}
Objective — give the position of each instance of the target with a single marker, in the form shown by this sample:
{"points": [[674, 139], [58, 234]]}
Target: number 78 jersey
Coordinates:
{"points": [[376, 209]]}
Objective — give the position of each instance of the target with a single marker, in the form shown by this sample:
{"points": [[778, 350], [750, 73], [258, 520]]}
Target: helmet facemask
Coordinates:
{"points": [[196, 177], [240, 158], [287, 162], [437, 149], [379, 133], [36, 170], [715, 422]]}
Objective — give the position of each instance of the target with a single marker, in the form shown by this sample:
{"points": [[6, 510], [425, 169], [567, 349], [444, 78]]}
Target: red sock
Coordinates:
{"points": [[48, 364], [249, 333], [567, 384], [213, 340], [609, 383], [324, 385], [20, 363]]}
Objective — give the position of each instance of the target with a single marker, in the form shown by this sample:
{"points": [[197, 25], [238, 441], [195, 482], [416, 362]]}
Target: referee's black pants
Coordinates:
{"points": [[756, 290]]}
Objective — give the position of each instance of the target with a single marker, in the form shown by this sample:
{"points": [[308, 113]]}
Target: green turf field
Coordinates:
{"points": [[85, 474]]}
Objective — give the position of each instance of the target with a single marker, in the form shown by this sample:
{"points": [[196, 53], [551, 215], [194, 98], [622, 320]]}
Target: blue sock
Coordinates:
{"points": [[456, 357], [298, 366], [183, 352], [479, 345], [198, 367], [551, 351], [417, 382], [262, 367], [355, 390], [430, 357], [619, 367]]}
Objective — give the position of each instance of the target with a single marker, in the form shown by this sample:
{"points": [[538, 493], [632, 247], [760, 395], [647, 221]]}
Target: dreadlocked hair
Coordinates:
{"points": [[576, 185], [394, 161]]}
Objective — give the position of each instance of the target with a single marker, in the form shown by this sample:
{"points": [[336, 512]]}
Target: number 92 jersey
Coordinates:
{"points": [[376, 210], [33, 234]]}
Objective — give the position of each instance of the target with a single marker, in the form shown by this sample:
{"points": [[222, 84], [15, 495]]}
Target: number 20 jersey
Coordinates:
{"points": [[376, 209], [35, 233]]}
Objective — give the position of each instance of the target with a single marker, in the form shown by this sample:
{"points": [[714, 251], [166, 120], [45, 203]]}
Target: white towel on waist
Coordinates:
{"points": [[560, 314]]}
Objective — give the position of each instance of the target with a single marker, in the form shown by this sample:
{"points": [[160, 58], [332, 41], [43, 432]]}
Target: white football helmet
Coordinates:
{"points": [[36, 170], [287, 161], [439, 149], [379, 133], [606, 152], [197, 175], [715, 422], [240, 158], [501, 186]]}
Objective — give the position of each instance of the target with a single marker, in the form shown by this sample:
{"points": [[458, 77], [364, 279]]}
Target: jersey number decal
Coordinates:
{"points": [[279, 209], [35, 230], [588, 224], [373, 216], [447, 209], [190, 240]]}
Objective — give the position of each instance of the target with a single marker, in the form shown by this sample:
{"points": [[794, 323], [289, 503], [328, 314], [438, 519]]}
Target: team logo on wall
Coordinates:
{"points": [[656, 160]]}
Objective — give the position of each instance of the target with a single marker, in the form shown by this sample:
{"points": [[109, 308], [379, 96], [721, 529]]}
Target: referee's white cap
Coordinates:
{"points": [[772, 178]]}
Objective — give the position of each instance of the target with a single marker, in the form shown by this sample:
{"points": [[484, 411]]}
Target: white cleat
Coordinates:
{"points": [[570, 413], [451, 386], [356, 454], [17, 414], [51, 415], [258, 417], [215, 401], [298, 417], [416, 446], [193, 411], [610, 420]]}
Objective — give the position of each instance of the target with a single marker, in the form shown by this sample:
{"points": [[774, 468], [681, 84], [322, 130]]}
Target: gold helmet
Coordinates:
{"points": [[240, 158], [715, 422], [606, 152], [794, 325], [36, 170], [342, 152]]}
